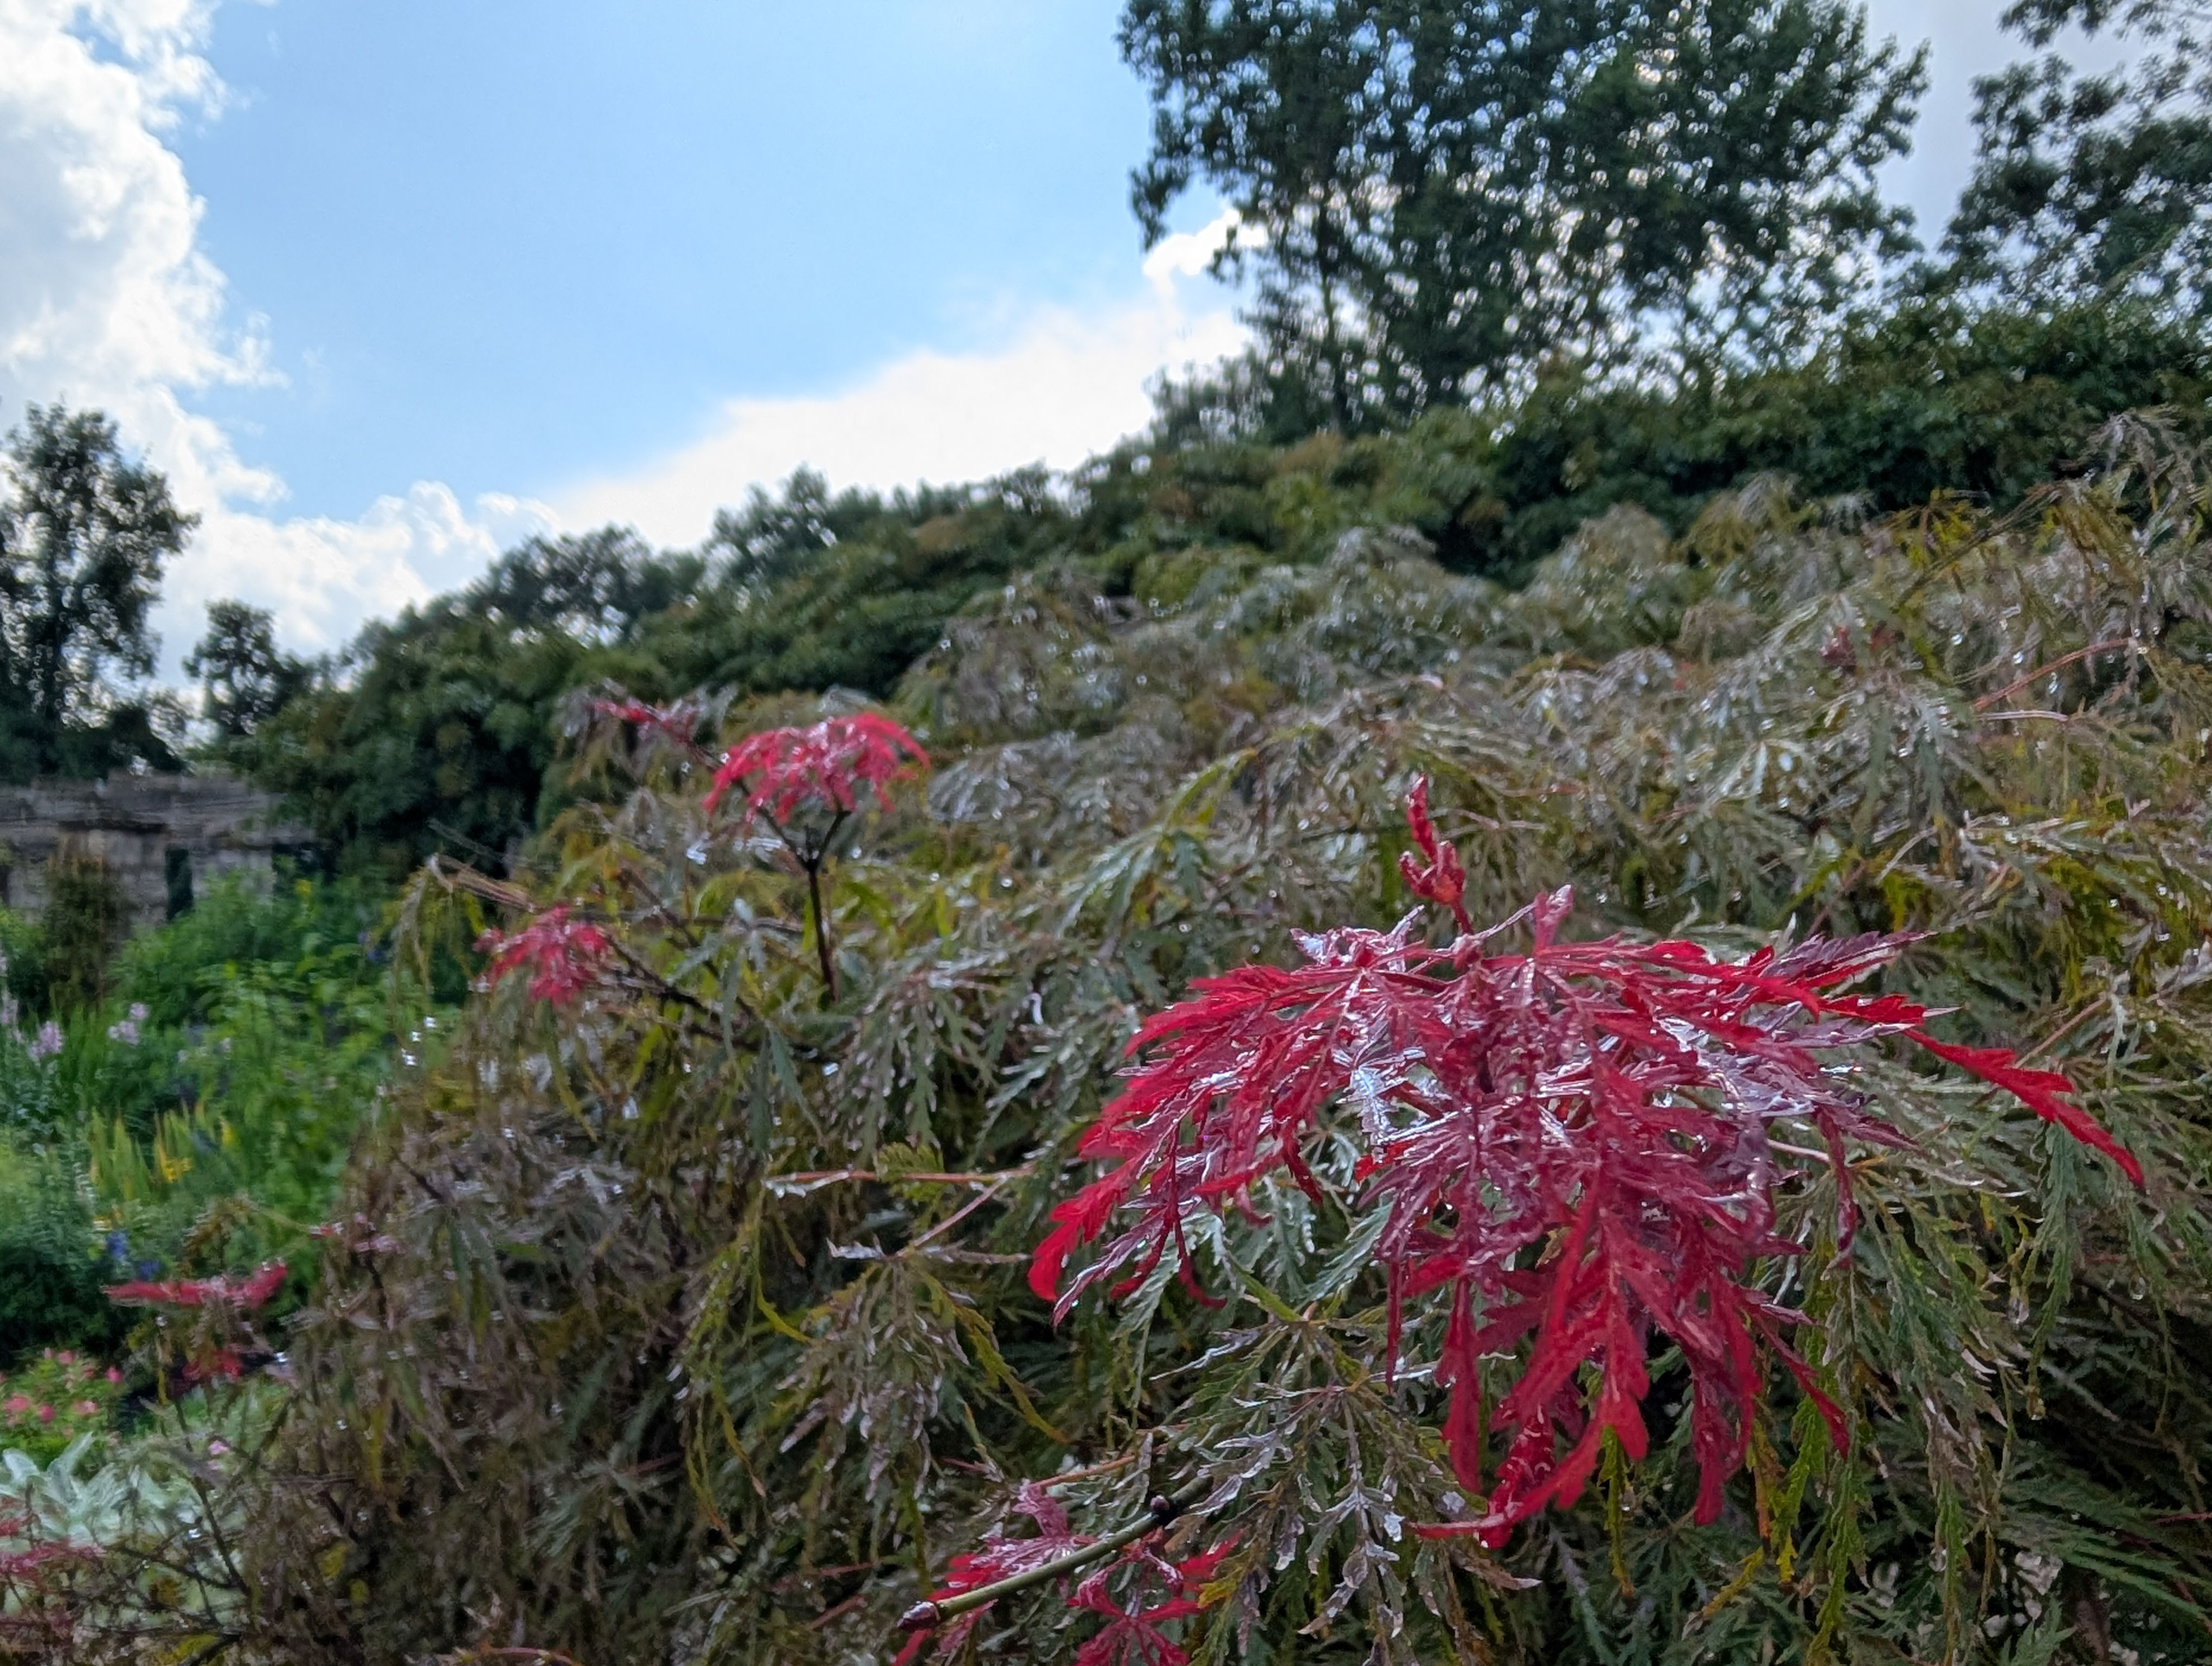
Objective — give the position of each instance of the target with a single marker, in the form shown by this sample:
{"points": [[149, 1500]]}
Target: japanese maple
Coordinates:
{"points": [[246, 1294], [1571, 1143], [822, 766], [679, 722], [564, 955]]}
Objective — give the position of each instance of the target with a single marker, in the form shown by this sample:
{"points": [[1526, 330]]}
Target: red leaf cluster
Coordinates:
{"points": [[1442, 880], [678, 722], [822, 766], [564, 955], [1571, 1143], [245, 1294], [1131, 1635], [999, 1559]]}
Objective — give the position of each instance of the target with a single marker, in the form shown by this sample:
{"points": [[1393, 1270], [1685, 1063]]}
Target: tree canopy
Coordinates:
{"points": [[84, 533], [2100, 184], [1438, 198]]}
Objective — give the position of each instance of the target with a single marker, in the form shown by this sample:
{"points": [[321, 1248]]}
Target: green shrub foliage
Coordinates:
{"points": [[680, 1311]]}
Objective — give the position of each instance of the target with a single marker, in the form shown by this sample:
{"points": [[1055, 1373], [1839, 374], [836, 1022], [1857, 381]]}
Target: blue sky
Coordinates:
{"points": [[386, 284], [504, 244]]}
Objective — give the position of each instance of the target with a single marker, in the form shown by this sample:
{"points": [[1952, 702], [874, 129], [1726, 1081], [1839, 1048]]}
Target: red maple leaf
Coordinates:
{"points": [[1442, 880], [1571, 1143], [678, 722], [1000, 1558], [246, 1294], [822, 766], [564, 955], [1132, 1635]]}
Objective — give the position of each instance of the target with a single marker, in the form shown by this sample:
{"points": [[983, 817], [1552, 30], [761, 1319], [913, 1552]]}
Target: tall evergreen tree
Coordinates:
{"points": [[1450, 192]]}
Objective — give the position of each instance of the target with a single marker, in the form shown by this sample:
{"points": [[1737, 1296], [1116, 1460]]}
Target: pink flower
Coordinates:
{"points": [[563, 956], [18, 1403], [66, 1357], [114, 1375], [46, 1413], [87, 1409], [824, 766]]}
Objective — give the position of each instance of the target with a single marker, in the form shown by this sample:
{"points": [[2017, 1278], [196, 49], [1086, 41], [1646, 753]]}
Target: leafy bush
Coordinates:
{"points": [[679, 1309], [52, 1259], [206, 1110], [84, 924], [447, 736]]}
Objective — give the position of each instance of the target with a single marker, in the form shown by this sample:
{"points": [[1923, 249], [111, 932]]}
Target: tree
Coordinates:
{"points": [[2096, 185], [1448, 193], [82, 542], [593, 586], [244, 677]]}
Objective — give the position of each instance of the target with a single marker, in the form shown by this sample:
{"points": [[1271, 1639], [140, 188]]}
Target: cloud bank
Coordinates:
{"points": [[1063, 386]]}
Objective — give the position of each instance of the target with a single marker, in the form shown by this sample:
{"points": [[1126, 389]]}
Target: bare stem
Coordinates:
{"points": [[821, 932]]}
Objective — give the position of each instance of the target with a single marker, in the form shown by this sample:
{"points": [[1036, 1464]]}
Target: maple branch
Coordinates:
{"points": [[2060, 663], [820, 933], [927, 1617], [814, 1177]]}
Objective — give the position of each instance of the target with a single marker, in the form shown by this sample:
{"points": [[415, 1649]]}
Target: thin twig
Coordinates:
{"points": [[815, 1178], [957, 1216], [2059, 664]]}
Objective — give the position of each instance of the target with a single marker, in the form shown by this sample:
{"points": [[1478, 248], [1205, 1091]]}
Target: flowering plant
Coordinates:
{"points": [[48, 1403]]}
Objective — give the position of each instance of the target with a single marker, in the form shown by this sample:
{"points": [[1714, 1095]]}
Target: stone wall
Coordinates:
{"points": [[166, 837]]}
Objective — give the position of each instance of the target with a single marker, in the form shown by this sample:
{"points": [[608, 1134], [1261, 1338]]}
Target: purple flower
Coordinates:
{"points": [[47, 1042]]}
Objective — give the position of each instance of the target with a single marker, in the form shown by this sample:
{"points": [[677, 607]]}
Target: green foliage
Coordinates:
{"points": [[1444, 197], [183, 972], [201, 1113], [83, 538], [2095, 185], [243, 676], [1931, 398], [52, 1262], [689, 1321], [446, 738]]}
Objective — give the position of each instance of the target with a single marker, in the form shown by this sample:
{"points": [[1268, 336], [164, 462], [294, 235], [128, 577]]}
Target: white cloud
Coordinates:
{"points": [[106, 300], [1190, 253], [1063, 386]]}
